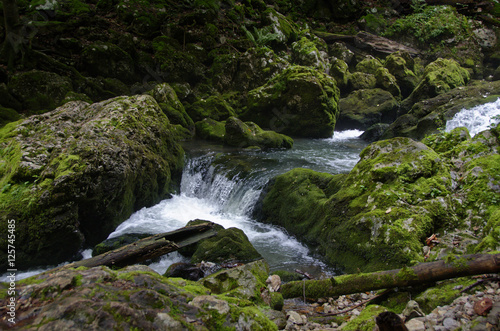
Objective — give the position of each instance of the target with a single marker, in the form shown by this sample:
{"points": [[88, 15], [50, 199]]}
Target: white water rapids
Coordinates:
{"points": [[225, 195]]}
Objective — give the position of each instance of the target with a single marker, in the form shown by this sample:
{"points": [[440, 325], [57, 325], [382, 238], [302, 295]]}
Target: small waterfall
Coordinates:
{"points": [[223, 186], [476, 119]]}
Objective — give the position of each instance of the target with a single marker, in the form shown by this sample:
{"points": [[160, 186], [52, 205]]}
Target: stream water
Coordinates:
{"points": [[222, 185]]}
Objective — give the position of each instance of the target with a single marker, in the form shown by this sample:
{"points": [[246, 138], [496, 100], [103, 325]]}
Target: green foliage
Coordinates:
{"points": [[431, 24], [261, 37]]}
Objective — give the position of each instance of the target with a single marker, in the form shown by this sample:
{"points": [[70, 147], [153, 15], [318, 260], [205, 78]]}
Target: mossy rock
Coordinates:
{"points": [[109, 60], [167, 98], [340, 71], [361, 80], [366, 320], [242, 282], [123, 298], [364, 108], [310, 52], [441, 294], [69, 177], [248, 134], [210, 129], [400, 66], [300, 101], [369, 65], [386, 81], [439, 77], [214, 107], [39, 90], [376, 217], [228, 245]]}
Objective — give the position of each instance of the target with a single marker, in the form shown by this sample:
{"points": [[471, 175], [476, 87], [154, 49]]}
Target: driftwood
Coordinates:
{"points": [[369, 42], [467, 265], [149, 247]]}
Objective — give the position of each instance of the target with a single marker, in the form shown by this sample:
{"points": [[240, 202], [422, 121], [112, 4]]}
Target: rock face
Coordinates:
{"points": [[401, 191], [70, 176], [300, 101], [134, 297]]}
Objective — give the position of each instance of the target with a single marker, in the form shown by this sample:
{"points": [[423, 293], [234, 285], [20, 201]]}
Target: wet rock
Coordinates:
{"points": [[248, 134], [82, 170], [299, 101]]}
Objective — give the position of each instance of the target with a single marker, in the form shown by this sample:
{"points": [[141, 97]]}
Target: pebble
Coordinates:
{"points": [[458, 315]]}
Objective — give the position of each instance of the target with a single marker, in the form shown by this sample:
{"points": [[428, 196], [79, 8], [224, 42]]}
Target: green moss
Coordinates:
{"points": [[432, 25], [442, 294], [366, 320]]}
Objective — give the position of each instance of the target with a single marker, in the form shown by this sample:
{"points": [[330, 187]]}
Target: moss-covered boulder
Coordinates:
{"points": [[69, 177], [244, 282], [340, 71], [386, 81], [8, 115], [369, 65], [39, 90], [300, 101], [229, 245], [167, 98], [108, 60], [377, 216], [247, 134], [439, 77], [210, 129], [310, 52], [363, 108], [135, 297], [214, 107], [400, 65], [362, 80], [429, 116]]}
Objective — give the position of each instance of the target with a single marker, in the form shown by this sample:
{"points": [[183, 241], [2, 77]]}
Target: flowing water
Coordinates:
{"points": [[476, 119], [222, 185]]}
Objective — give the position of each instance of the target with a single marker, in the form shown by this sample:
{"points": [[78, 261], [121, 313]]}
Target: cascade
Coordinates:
{"points": [[476, 119]]}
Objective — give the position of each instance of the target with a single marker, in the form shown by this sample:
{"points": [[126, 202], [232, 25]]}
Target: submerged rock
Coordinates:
{"points": [[70, 176]]}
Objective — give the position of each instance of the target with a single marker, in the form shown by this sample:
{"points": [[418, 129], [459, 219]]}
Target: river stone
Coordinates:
{"points": [[299, 101], [363, 108], [248, 134], [211, 303], [439, 77], [77, 172], [243, 282], [229, 245]]}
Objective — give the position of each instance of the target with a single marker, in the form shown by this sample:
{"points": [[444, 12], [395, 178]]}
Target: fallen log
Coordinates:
{"points": [[460, 266], [367, 41], [149, 247]]}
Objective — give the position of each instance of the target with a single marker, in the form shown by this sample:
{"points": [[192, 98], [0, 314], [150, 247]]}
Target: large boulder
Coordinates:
{"points": [[229, 245], [363, 108], [377, 216], [248, 134], [39, 90], [429, 116], [300, 101], [135, 297], [70, 176], [439, 77]]}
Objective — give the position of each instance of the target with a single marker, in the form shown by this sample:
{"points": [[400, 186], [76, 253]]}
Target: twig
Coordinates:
{"points": [[479, 282], [355, 306]]}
